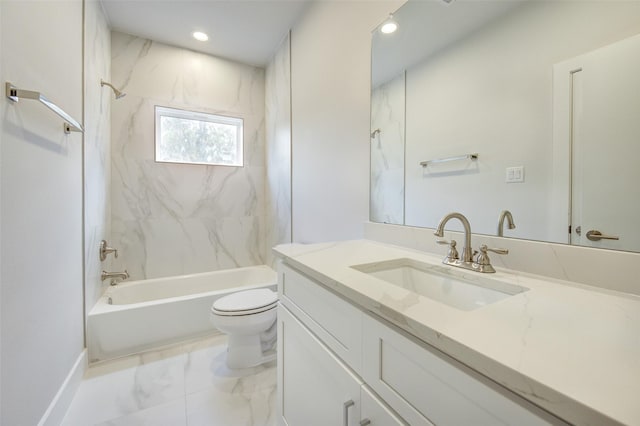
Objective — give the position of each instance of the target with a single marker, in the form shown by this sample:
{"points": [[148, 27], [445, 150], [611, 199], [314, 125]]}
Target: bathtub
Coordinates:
{"points": [[135, 316]]}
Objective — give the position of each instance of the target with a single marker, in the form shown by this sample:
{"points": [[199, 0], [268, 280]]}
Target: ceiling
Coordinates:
{"points": [[426, 27], [246, 31]]}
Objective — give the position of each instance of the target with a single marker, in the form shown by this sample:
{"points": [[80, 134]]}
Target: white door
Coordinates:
{"points": [[604, 92], [316, 389]]}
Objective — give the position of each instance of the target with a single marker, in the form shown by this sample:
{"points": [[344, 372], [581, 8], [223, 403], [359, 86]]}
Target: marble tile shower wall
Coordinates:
{"points": [[387, 152], [278, 130], [97, 148], [172, 219]]}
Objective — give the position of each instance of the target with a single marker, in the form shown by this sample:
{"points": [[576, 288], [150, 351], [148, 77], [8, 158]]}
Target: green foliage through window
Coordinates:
{"points": [[195, 137]]}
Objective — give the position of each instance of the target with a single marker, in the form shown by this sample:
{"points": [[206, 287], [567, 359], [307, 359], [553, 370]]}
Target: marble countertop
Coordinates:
{"points": [[571, 349]]}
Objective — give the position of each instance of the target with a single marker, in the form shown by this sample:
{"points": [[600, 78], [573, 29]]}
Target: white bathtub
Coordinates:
{"points": [[136, 316]]}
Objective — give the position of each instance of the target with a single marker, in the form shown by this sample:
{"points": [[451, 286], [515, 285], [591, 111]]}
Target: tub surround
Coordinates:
{"points": [[172, 219], [278, 149], [571, 349], [97, 148]]}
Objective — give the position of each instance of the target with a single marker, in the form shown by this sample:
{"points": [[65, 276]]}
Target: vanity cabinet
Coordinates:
{"points": [[317, 389], [339, 366], [426, 386]]}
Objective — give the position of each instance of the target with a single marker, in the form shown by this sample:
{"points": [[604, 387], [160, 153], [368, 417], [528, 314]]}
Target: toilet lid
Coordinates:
{"points": [[250, 300]]}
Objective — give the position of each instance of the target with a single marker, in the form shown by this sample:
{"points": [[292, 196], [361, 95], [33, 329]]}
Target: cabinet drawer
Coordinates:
{"points": [[336, 322], [376, 411], [427, 387]]}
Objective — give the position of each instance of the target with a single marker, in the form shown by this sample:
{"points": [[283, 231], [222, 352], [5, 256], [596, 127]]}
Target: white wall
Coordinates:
{"points": [[97, 148], [330, 60], [41, 207], [278, 149], [173, 219]]}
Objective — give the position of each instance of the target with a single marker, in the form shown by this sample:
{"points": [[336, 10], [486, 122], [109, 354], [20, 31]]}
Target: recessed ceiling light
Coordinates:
{"points": [[200, 36], [389, 26]]}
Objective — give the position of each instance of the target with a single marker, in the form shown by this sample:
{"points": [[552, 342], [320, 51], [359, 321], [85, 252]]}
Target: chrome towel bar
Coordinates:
{"points": [[447, 159], [14, 94]]}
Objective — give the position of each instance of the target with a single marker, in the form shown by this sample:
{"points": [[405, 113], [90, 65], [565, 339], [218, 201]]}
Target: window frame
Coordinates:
{"points": [[166, 111]]}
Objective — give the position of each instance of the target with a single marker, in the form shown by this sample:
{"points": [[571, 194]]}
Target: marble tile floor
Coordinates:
{"points": [[187, 384]]}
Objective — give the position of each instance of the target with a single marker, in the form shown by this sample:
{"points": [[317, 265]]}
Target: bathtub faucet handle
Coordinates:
{"points": [[105, 250]]}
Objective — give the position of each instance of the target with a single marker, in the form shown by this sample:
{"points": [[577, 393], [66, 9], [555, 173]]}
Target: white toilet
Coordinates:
{"points": [[249, 319]]}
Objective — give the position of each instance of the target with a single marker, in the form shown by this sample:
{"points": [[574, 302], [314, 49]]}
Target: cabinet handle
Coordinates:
{"points": [[345, 411], [365, 422]]}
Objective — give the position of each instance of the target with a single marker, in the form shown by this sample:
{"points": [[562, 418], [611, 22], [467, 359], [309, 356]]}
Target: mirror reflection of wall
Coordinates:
{"points": [[486, 86], [387, 152]]}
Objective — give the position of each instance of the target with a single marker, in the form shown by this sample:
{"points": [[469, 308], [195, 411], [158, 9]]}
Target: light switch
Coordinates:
{"points": [[514, 174]]}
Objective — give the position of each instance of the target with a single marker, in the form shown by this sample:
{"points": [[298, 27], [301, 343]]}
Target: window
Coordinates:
{"points": [[197, 138]]}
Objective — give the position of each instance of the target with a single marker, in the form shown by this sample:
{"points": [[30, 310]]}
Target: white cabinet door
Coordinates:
{"points": [[427, 387], [336, 322], [315, 388], [376, 412]]}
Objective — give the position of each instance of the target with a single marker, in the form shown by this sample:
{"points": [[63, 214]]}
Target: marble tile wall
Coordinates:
{"points": [[97, 147], [387, 152], [278, 149], [173, 219]]}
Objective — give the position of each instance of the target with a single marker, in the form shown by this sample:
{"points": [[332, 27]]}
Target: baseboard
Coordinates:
{"points": [[60, 403]]}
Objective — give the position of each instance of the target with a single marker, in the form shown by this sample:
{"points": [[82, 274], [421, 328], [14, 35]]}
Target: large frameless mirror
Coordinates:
{"points": [[530, 107]]}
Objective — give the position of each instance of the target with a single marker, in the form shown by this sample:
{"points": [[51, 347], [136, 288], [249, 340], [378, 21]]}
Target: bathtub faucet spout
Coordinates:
{"points": [[115, 276]]}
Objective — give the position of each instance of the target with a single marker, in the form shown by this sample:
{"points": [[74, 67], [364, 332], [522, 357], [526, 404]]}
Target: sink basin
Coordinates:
{"points": [[458, 289]]}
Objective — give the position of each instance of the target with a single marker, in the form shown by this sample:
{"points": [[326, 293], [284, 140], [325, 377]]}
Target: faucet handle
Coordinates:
{"points": [[483, 263], [484, 249], [452, 254], [105, 250]]}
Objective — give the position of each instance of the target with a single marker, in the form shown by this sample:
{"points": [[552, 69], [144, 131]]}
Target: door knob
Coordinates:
{"points": [[595, 235]]}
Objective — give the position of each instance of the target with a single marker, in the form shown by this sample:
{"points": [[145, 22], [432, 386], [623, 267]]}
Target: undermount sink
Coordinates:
{"points": [[461, 290]]}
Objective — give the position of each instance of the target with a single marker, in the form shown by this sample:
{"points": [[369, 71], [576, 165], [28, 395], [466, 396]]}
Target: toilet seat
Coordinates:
{"points": [[245, 303]]}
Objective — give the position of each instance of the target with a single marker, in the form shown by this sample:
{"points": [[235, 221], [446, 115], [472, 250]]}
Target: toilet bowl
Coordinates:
{"points": [[249, 319]]}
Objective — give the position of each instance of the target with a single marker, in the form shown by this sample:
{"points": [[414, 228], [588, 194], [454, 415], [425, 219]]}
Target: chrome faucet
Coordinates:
{"points": [[482, 263], [115, 276], [505, 214], [467, 256]]}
